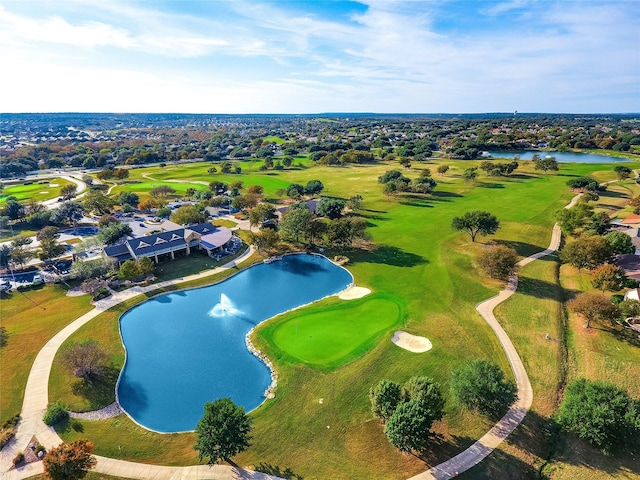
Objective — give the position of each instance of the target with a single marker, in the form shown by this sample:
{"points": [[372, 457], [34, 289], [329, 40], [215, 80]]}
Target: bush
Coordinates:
{"points": [[56, 412], [101, 293], [498, 261], [18, 459], [8, 430]]}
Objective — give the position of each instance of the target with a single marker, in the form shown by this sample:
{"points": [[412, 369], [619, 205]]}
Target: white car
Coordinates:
{"points": [[37, 279]]}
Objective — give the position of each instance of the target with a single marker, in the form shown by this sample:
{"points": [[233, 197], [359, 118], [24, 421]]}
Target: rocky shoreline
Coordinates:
{"points": [[270, 391]]}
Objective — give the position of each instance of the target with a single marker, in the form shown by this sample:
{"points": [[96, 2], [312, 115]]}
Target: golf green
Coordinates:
{"points": [[332, 336]]}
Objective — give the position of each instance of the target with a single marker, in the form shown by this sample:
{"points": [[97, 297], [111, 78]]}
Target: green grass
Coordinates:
{"points": [[38, 192], [274, 139], [428, 268], [328, 336], [31, 319]]}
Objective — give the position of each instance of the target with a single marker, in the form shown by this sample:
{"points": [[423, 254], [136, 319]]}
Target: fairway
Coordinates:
{"points": [[331, 337]]}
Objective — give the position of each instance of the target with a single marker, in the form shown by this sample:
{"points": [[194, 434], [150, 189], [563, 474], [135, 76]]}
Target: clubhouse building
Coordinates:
{"points": [[174, 240]]}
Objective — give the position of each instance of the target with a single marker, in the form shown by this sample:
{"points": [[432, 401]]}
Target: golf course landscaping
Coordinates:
{"points": [[423, 280]]}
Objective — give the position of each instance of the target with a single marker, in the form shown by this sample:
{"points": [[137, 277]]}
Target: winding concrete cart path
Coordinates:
{"points": [[36, 398]]}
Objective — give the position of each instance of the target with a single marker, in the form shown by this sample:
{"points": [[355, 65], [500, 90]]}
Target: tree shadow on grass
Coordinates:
{"points": [[523, 249], [100, 391], [388, 255], [491, 185], [539, 288], [277, 471], [502, 465], [68, 424]]}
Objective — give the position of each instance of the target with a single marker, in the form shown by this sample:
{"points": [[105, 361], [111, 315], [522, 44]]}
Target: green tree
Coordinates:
{"points": [[223, 431], [313, 187], [470, 174], [409, 427], [129, 198], [112, 232], [498, 261], [546, 164], [585, 184], [355, 202], [385, 397], [599, 223], [69, 461], [129, 270], [188, 214], [97, 202], [609, 277], [295, 190], [264, 240], [67, 213], [600, 413], [622, 172], [49, 247], [121, 173], [13, 209], [621, 243], [586, 252], [442, 169], [68, 191], [294, 223], [594, 307], [330, 207], [481, 385], [571, 219], [162, 191], [262, 213], [146, 266], [316, 229], [476, 222]]}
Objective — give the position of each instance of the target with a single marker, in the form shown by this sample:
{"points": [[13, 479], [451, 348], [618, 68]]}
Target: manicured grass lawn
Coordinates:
{"points": [[329, 336], [31, 319], [38, 192], [428, 268], [224, 223]]}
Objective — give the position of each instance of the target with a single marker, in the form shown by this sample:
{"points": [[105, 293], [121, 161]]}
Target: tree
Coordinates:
{"points": [[5, 256], [107, 219], [264, 240], [293, 225], [129, 270], [594, 307], [330, 207], [355, 202], [476, 222], [391, 176], [21, 255], [223, 431], [68, 213], [261, 213], [97, 202], [148, 204], [470, 174], [13, 209], [295, 190], [599, 223], [69, 461], [162, 191], [546, 164], [621, 243], [498, 261], [49, 247], [68, 191], [105, 174], [584, 184], [316, 229], [219, 188], [313, 187], [188, 214], [113, 232], [481, 385], [121, 173], [146, 266], [622, 172], [442, 169], [609, 277], [600, 413], [189, 192], [255, 189], [385, 397], [129, 198], [85, 269], [84, 359], [570, 219], [587, 252]]}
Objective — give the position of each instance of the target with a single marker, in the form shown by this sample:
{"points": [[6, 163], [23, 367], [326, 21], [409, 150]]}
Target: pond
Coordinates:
{"points": [[561, 157], [188, 348]]}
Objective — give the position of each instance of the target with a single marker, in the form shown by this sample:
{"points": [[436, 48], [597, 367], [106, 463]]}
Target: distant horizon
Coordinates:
{"points": [[512, 114], [260, 56]]}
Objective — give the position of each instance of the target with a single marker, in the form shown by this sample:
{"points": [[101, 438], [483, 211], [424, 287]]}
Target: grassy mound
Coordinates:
{"points": [[330, 337]]}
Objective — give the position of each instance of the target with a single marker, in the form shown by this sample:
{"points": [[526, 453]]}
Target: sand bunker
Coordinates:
{"points": [[353, 293], [413, 343]]}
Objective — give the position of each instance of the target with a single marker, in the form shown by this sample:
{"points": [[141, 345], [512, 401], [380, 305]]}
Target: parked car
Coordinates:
{"points": [[37, 279], [5, 285]]}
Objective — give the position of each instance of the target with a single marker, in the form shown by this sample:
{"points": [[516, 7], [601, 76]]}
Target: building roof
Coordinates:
{"points": [[216, 239], [119, 252], [203, 228], [631, 219]]}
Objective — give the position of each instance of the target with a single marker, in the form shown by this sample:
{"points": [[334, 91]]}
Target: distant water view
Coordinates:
{"points": [[561, 157], [188, 348]]}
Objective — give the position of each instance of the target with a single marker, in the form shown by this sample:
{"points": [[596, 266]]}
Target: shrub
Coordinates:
{"points": [[56, 412], [18, 459], [101, 293], [498, 261]]}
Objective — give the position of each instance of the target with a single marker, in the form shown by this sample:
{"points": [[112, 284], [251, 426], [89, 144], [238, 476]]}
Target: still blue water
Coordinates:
{"points": [[188, 348], [561, 157]]}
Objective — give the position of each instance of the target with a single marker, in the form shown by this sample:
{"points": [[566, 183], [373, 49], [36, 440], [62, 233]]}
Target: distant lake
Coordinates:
{"points": [[561, 157]]}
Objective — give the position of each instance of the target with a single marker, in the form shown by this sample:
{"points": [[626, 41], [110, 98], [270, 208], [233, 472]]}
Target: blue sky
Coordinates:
{"points": [[299, 56]]}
